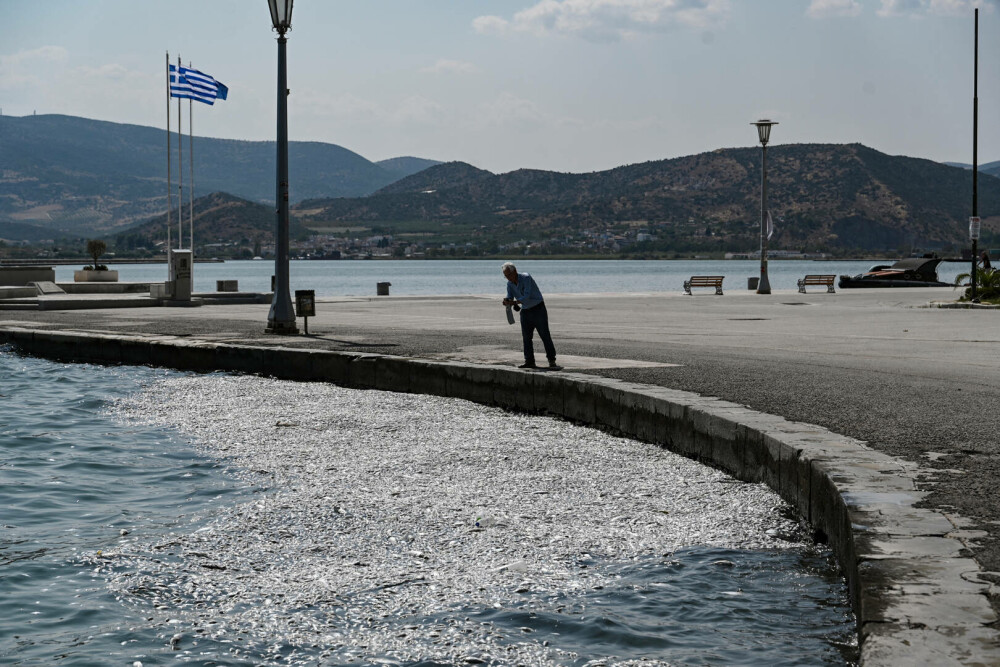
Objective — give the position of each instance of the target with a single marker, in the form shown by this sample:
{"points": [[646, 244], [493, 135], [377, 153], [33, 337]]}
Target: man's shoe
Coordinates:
{"points": [[528, 364], [553, 364]]}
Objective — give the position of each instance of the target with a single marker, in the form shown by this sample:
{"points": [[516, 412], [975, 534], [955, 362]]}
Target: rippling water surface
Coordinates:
{"points": [[269, 523]]}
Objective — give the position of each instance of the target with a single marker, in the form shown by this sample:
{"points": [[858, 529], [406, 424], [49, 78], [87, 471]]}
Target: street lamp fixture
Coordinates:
{"points": [[764, 134], [281, 15], [281, 318]]}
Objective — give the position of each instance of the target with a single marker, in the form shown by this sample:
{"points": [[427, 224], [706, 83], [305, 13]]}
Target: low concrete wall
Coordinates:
{"points": [[17, 292], [22, 275], [912, 584], [104, 288]]}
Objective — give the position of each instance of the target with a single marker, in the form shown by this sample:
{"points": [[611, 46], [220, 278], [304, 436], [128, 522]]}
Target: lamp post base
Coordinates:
{"points": [[281, 328], [764, 285]]}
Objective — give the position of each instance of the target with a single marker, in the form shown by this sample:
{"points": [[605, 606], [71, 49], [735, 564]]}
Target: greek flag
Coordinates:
{"points": [[191, 84]]}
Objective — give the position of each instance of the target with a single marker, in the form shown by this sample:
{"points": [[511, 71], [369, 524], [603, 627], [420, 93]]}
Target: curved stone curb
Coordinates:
{"points": [[915, 589]]}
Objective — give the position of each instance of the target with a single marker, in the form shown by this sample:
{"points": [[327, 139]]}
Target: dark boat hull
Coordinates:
{"points": [[847, 282]]}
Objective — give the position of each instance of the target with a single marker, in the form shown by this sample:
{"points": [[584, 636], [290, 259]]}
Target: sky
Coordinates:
{"points": [[564, 85]]}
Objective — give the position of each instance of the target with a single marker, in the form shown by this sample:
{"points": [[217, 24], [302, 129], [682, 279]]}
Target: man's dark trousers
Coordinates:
{"points": [[532, 319]]}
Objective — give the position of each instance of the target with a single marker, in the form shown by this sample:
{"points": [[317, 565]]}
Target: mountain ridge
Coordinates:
{"points": [[825, 194], [89, 175]]}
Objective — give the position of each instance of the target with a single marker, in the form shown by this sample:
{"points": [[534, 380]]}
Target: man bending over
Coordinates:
{"points": [[522, 291]]}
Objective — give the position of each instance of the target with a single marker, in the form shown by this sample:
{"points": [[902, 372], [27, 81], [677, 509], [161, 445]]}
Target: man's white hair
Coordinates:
{"points": [[508, 265]]}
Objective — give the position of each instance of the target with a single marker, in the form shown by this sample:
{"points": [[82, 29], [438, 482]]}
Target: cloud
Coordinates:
{"points": [[607, 20], [821, 9], [450, 67], [349, 108], [21, 69], [43, 54], [940, 7]]}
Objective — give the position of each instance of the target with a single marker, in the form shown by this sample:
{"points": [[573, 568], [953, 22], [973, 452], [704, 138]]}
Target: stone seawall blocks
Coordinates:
{"points": [[579, 402], [513, 390], [240, 359], [428, 378], [362, 371], [393, 374], [470, 382], [549, 389]]}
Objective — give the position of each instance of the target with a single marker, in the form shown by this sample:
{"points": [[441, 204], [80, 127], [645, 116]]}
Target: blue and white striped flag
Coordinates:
{"points": [[189, 83]]}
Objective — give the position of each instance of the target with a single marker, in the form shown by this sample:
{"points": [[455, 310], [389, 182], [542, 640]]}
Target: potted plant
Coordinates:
{"points": [[987, 281], [96, 272]]}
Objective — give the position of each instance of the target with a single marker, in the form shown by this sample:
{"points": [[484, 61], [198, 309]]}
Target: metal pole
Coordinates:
{"points": [[170, 193], [180, 170], [281, 318], [975, 154], [191, 189], [763, 286]]}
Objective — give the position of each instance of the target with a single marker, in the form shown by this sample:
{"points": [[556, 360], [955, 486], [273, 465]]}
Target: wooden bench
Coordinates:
{"points": [[817, 280], [704, 281]]}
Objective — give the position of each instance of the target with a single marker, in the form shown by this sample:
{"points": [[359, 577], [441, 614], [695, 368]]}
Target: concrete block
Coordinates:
{"points": [[579, 402], [760, 462], [548, 391], [727, 447], [428, 377], [362, 371], [185, 355], [334, 367], [607, 405], [290, 363], [134, 351], [796, 481], [244, 359], [638, 417], [892, 644], [393, 374], [471, 382], [513, 389]]}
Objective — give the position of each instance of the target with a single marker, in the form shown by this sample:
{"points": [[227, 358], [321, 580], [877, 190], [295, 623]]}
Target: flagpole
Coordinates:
{"points": [[191, 158], [180, 170], [170, 193]]}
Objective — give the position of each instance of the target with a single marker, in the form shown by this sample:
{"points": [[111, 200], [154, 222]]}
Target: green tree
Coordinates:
{"points": [[96, 248]]}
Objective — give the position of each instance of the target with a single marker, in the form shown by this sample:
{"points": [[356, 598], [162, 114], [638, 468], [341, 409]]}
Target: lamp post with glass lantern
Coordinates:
{"points": [[764, 133], [281, 318]]}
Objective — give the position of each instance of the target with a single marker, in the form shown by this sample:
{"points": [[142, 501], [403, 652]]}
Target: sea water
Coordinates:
{"points": [[166, 518], [329, 278]]}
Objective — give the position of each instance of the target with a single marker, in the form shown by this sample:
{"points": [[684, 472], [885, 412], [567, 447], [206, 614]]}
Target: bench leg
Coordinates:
{"points": [[829, 289], [802, 288], [718, 290], [687, 288]]}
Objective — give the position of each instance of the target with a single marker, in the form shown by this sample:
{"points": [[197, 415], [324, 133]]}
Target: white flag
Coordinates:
{"points": [[770, 226]]}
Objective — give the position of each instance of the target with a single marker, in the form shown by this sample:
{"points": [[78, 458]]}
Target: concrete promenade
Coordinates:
{"points": [[916, 383]]}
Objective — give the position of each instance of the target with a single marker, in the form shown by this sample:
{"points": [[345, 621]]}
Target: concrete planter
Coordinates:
{"points": [[85, 276]]}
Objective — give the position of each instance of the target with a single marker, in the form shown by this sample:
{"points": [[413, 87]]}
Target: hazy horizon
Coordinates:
{"points": [[561, 85]]}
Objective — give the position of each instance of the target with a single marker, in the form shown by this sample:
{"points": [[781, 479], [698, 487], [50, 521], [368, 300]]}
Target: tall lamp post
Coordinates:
{"points": [[281, 318], [764, 133]]}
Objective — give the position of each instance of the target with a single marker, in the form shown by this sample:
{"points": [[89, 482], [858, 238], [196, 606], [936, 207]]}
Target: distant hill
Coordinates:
{"points": [[218, 218], [401, 167], [84, 174], [841, 196], [18, 231], [990, 168], [439, 177]]}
